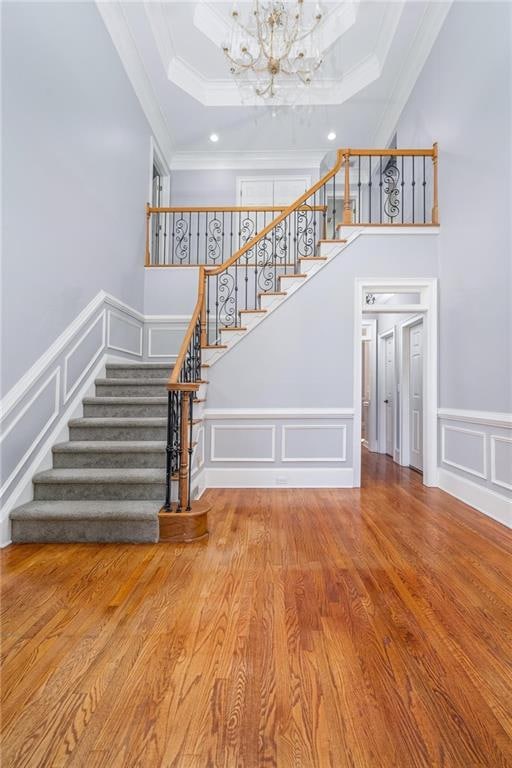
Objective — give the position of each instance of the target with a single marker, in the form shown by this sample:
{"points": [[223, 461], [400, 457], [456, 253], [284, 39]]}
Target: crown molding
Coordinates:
{"points": [[286, 159], [419, 50], [117, 26]]}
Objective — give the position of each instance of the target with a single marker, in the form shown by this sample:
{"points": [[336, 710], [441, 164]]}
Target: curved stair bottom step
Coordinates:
{"points": [[46, 522], [184, 527]]}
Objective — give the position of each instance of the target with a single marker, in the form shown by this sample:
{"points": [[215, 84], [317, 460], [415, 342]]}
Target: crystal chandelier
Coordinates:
{"points": [[274, 44]]}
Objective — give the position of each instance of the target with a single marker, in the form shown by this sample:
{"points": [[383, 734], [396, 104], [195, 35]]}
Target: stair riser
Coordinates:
{"points": [[104, 410], [135, 373], [117, 433], [114, 491], [100, 460], [130, 390], [101, 531]]}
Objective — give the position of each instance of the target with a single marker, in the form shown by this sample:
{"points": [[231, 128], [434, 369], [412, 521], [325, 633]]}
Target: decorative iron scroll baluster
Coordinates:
{"points": [[391, 178], [180, 237], [190, 395], [305, 232], [172, 447], [402, 185], [424, 184]]}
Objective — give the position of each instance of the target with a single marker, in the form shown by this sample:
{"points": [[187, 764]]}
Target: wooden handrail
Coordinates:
{"points": [[227, 209], [174, 382], [285, 213], [392, 152]]}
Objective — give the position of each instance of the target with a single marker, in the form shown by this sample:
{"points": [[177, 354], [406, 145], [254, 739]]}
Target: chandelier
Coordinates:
{"points": [[274, 44]]}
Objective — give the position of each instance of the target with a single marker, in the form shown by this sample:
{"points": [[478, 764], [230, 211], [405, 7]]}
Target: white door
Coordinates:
{"points": [[416, 396], [389, 392], [271, 190], [257, 192], [365, 395]]}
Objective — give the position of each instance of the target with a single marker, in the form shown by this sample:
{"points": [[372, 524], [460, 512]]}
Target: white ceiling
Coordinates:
{"points": [[172, 51]]}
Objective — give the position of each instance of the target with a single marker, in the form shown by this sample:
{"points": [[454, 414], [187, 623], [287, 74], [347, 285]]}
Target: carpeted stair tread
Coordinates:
{"points": [[119, 421], [86, 510], [125, 400], [99, 475], [110, 446], [132, 382]]}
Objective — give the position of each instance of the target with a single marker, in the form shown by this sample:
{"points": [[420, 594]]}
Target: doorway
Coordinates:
{"points": [[406, 390]]}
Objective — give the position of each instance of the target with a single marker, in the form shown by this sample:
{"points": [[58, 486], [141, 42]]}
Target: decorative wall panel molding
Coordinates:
{"points": [[501, 445], [338, 446], [469, 443], [98, 325], [130, 323], [239, 447]]}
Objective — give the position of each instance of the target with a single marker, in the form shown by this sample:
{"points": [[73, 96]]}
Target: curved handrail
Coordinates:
{"points": [[196, 315], [341, 153]]}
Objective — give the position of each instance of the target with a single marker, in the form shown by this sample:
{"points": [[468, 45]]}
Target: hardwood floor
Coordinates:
{"points": [[366, 628]]}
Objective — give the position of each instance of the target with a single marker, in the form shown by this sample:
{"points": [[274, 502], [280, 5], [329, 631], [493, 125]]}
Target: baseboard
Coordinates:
{"points": [[490, 503], [300, 477], [22, 491]]}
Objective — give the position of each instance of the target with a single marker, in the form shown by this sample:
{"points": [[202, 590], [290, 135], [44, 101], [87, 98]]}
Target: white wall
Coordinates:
{"points": [[462, 100], [218, 187], [75, 176]]}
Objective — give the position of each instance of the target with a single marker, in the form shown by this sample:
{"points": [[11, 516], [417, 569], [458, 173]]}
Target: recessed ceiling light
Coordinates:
{"points": [[214, 137], [331, 136]]}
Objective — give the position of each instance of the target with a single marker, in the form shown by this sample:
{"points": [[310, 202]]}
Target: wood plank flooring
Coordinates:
{"points": [[363, 628]]}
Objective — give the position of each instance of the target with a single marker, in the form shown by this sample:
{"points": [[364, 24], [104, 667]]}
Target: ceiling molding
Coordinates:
{"points": [[419, 50], [226, 93], [286, 159], [117, 26], [218, 28]]}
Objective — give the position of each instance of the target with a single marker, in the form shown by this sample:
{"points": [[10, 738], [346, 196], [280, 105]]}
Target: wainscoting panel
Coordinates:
{"points": [[164, 337], [29, 424], [464, 449], [243, 442], [83, 355], [314, 442], [124, 333], [501, 461], [278, 447], [476, 460]]}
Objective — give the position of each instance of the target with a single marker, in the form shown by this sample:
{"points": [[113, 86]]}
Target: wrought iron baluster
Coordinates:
{"points": [[402, 185], [199, 260], [314, 224], [168, 453], [190, 449], [324, 214], [207, 299], [216, 309], [359, 190], [190, 238], [380, 188], [413, 192], [424, 193], [370, 189]]}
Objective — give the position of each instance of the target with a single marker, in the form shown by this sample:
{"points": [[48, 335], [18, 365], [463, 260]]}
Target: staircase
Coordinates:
{"points": [[108, 480]]}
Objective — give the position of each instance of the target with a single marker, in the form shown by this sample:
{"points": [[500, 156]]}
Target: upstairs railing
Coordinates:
{"points": [[364, 188]]}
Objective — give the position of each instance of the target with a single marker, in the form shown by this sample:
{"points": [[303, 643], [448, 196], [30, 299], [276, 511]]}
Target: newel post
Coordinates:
{"points": [[202, 288], [347, 205], [147, 259], [435, 205]]}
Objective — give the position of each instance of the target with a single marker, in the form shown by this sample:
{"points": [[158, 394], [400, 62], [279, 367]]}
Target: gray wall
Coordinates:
{"points": [[462, 100], [218, 187], [75, 176]]}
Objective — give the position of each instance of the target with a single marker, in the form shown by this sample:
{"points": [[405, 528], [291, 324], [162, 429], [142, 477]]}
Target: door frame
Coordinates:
{"points": [[427, 288], [404, 331], [381, 383], [156, 158], [371, 339]]}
